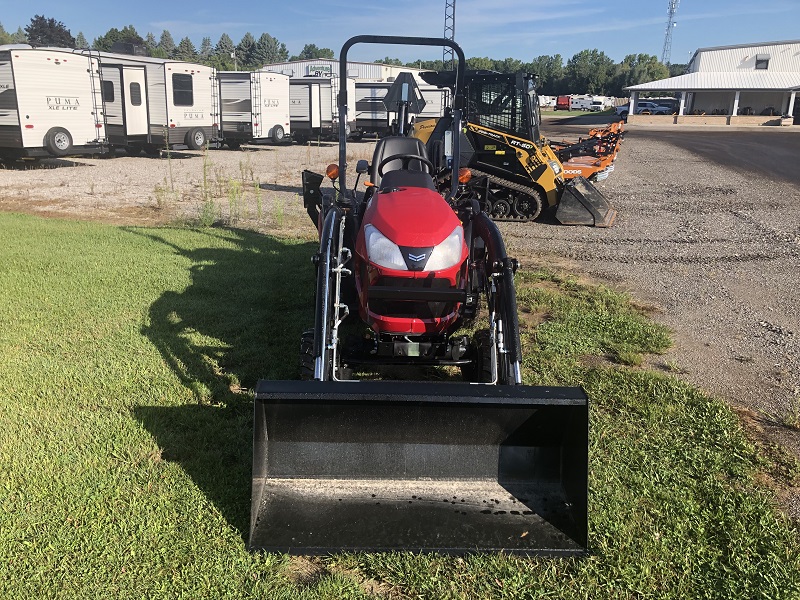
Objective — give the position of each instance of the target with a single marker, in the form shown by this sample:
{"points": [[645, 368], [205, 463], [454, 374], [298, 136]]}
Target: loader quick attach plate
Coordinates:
{"points": [[448, 467]]}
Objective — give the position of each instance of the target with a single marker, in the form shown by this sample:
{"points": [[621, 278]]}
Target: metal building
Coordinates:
{"points": [[745, 84]]}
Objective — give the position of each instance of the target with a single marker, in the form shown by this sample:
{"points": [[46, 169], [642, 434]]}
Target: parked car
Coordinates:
{"points": [[643, 108]]}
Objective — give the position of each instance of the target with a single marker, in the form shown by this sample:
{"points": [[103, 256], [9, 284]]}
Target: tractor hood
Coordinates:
{"points": [[411, 217]]}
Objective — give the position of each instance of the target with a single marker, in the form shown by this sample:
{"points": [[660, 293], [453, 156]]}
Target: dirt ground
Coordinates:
{"points": [[708, 234]]}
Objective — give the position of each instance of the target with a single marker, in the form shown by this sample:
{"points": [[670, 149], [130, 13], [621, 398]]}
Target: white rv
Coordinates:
{"points": [[371, 116], [253, 107], [50, 103], [313, 108], [153, 102], [580, 102]]}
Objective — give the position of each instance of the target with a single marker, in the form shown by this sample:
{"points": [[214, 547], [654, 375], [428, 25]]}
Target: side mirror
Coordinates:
{"points": [[362, 166]]}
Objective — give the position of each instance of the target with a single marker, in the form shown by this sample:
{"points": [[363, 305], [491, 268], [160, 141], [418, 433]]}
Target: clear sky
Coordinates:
{"points": [[498, 29]]}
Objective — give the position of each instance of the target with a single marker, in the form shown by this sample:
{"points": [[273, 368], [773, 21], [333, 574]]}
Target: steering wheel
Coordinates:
{"points": [[406, 160]]}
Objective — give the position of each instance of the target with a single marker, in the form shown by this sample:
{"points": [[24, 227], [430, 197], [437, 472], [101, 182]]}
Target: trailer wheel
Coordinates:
{"points": [[58, 141], [233, 144], [196, 139], [132, 150], [278, 135]]}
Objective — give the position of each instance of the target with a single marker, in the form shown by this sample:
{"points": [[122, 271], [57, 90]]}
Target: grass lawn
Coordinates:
{"points": [[126, 356]]}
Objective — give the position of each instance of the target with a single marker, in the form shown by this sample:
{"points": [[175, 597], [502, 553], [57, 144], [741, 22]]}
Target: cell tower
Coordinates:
{"points": [[448, 56], [671, 10]]}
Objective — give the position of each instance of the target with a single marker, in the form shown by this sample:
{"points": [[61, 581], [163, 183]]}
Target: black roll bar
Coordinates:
{"points": [[458, 93]]}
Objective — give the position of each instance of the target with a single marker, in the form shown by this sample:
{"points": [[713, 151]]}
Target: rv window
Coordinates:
{"points": [[182, 94], [108, 91], [136, 94]]}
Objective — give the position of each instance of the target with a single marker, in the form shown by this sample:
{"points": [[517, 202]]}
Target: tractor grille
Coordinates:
{"points": [[411, 309]]}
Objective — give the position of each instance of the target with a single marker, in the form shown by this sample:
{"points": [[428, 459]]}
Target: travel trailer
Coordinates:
{"points": [[313, 108], [153, 102], [372, 117], [50, 103], [254, 107]]}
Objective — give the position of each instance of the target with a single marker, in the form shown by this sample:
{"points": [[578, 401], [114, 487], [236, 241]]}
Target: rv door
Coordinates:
{"points": [[135, 100]]}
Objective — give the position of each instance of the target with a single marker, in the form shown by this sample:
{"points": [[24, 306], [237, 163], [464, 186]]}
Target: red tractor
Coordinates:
{"points": [[372, 464]]}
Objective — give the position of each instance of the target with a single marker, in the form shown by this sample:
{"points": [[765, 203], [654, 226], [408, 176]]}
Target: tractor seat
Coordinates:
{"points": [[402, 178], [392, 145]]}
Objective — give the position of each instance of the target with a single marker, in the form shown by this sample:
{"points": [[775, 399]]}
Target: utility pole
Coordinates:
{"points": [[667, 51], [448, 56]]}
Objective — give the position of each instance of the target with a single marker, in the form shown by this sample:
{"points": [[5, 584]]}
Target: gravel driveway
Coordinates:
{"points": [[708, 233]]}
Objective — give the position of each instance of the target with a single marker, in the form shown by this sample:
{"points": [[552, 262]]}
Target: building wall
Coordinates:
{"points": [[783, 57]]}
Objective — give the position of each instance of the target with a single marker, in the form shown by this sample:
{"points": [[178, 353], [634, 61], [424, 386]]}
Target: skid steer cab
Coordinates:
{"points": [[409, 279], [517, 174]]}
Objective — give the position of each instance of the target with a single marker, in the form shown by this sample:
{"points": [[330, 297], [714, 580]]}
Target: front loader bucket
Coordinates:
{"points": [[448, 467], [582, 204]]}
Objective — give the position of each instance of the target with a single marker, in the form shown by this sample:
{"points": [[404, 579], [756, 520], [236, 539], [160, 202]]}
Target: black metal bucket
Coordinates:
{"points": [[449, 467], [582, 204]]}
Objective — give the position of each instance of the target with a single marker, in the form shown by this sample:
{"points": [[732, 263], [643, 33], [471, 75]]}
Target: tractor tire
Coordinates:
{"points": [[58, 141], [278, 135], [480, 369], [307, 355], [624, 114], [196, 139]]}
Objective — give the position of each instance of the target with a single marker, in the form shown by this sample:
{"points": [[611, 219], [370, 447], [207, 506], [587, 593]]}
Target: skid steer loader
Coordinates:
{"points": [[481, 464], [517, 173]]}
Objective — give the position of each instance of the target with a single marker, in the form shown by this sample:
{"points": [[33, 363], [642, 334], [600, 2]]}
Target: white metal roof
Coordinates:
{"points": [[749, 80]]}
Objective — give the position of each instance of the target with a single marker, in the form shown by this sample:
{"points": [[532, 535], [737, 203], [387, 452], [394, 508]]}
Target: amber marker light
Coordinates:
{"points": [[464, 175], [332, 171]]}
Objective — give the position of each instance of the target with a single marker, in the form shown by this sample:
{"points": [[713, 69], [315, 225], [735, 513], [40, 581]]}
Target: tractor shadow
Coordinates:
{"points": [[239, 320]]}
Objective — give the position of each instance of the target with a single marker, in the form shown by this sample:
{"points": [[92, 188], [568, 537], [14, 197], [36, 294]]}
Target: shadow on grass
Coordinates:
{"points": [[239, 320]]}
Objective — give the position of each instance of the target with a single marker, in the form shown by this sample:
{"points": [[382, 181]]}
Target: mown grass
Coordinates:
{"points": [[125, 434]]}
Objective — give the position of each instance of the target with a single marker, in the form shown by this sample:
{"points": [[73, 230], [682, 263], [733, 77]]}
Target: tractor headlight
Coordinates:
{"points": [[448, 253], [556, 166], [382, 251]]}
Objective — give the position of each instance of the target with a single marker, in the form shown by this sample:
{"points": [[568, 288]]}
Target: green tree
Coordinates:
{"points": [[480, 63], [5, 37], [80, 41], [19, 37], [589, 72], [150, 42], [269, 50], [128, 35], [390, 61], [222, 58], [205, 49], [245, 50], [678, 69], [635, 69], [186, 50], [166, 44], [311, 51], [550, 71], [48, 32]]}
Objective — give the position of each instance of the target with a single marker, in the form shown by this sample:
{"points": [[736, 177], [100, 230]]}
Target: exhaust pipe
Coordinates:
{"points": [[446, 467]]}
